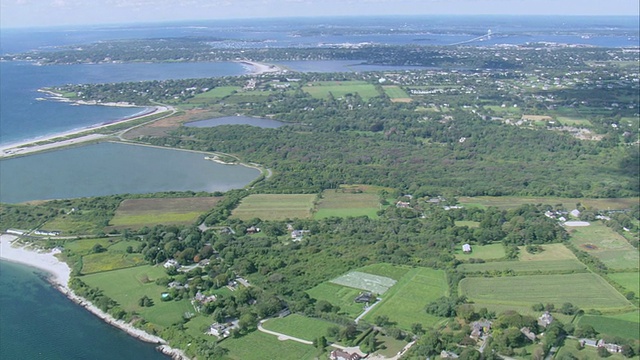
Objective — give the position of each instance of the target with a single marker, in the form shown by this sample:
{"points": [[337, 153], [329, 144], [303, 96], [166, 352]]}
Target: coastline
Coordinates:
{"points": [[258, 68], [60, 273], [32, 146]]}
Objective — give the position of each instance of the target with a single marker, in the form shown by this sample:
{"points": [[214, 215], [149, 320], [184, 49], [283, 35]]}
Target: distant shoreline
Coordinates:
{"points": [[60, 274]]}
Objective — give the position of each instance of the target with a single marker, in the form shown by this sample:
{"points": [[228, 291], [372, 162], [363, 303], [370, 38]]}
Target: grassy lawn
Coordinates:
{"points": [[343, 204], [322, 89], [485, 252], [630, 280], [275, 206], [299, 326], [585, 290], [612, 326], [339, 296], [137, 213], [127, 286], [607, 245], [404, 303], [510, 202], [395, 272], [392, 346], [571, 121], [72, 224], [587, 353], [260, 346]]}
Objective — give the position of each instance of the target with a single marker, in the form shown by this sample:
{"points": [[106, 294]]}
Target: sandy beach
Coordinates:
{"points": [[60, 275], [29, 146], [257, 68]]}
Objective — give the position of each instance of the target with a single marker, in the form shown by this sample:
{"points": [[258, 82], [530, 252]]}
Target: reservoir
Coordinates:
{"points": [[236, 120], [114, 168]]}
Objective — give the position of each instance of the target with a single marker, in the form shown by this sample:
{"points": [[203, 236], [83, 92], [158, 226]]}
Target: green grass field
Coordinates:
{"points": [[390, 346], [322, 89], [607, 245], [395, 272], [485, 252], [404, 303], [260, 346], [72, 224], [127, 286], [137, 213], [107, 261], [469, 224], [299, 326], [395, 93], [572, 121], [585, 290], [611, 326], [549, 252], [275, 206], [510, 202], [344, 204], [338, 295], [84, 246], [629, 281]]}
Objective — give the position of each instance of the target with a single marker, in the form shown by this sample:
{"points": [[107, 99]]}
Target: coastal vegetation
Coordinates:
{"points": [[441, 196]]}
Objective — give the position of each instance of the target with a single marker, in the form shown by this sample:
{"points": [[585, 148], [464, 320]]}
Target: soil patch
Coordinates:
{"points": [[589, 247]]}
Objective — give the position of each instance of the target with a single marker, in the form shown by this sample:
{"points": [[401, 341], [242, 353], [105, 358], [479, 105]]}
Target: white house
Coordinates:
{"points": [[466, 248]]}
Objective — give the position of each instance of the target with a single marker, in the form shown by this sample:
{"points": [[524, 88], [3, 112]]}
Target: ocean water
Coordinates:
{"points": [[37, 322]]}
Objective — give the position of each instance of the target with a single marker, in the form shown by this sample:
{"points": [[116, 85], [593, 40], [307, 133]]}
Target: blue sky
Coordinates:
{"points": [[27, 13]]}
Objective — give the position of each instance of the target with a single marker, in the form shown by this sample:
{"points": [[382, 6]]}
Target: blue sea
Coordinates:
{"points": [[36, 322]]}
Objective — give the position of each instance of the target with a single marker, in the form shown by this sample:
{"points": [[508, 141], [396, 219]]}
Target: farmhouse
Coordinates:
{"points": [[612, 348], [480, 329], [343, 355], [545, 319], [364, 297], [466, 248], [171, 263]]}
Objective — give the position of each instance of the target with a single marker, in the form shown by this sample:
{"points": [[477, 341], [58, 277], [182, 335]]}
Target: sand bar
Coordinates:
{"points": [[29, 146], [60, 275]]}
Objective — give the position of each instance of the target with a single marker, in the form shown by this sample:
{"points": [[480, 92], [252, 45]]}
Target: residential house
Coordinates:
{"points": [[448, 355], [466, 248], [204, 299], [253, 230], [296, 235], [343, 355], [219, 330]]}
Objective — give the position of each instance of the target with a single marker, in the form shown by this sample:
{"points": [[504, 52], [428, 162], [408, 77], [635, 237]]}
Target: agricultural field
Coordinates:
{"points": [[299, 326], [612, 326], [484, 252], [137, 213], [275, 206], [404, 303], [628, 280], [607, 245], [84, 246], [524, 266], [396, 94], [554, 257], [367, 282], [511, 202], [210, 97], [342, 204], [127, 286], [323, 89], [259, 346], [585, 290]]}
